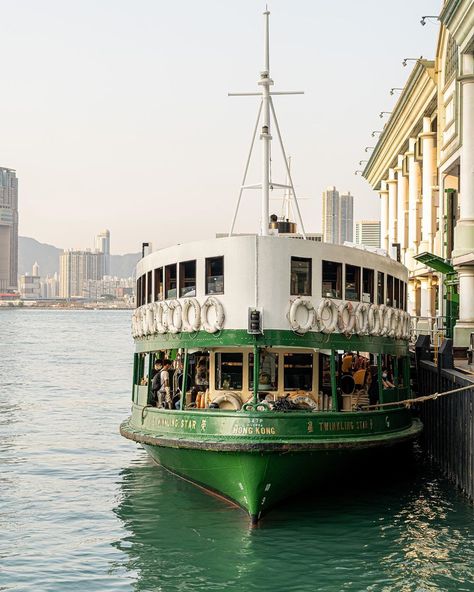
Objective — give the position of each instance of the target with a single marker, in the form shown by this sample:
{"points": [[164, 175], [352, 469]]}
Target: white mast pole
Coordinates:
{"points": [[265, 82]]}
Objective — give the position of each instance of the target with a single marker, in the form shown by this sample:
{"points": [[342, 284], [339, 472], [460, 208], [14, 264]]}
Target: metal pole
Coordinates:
{"points": [[182, 400], [256, 372], [246, 170], [332, 367], [277, 127], [265, 136], [379, 374]]}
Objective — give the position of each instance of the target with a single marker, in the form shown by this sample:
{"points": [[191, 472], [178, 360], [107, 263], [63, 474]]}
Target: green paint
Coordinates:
{"points": [[379, 374], [185, 380], [332, 367], [256, 372]]}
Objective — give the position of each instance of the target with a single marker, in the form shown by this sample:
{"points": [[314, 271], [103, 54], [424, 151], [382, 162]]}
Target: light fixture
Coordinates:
{"points": [[392, 90], [382, 113], [358, 172], [375, 132], [367, 148], [361, 161], [430, 16], [405, 60]]}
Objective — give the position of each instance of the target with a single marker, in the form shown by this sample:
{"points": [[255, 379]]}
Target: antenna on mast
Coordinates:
{"points": [[267, 112]]}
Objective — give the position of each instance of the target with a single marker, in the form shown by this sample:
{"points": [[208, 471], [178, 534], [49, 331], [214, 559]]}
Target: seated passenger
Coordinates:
{"points": [[386, 379], [347, 360]]}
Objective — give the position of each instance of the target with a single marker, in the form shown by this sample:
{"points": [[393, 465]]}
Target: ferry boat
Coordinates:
{"points": [[290, 356]]}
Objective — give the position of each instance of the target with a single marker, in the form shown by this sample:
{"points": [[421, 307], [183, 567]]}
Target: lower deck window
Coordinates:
{"points": [[298, 372], [229, 368], [268, 372]]}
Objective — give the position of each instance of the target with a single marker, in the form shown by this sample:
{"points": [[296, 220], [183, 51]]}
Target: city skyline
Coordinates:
{"points": [[131, 151]]}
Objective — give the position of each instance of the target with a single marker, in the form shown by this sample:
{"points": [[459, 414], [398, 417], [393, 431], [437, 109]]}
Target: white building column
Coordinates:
{"points": [[392, 208], [402, 214], [384, 215], [411, 300], [463, 252], [428, 171], [413, 198], [426, 297]]}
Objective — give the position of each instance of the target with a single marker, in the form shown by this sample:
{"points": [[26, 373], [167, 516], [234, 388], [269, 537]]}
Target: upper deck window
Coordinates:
{"points": [[367, 285], [158, 291], [170, 281], [389, 294], [300, 278], [352, 282], [229, 371], [187, 278], [396, 293], [149, 287], [332, 280], [380, 287], [215, 275]]}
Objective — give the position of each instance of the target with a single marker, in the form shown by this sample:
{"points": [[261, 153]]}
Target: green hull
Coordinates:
{"points": [[256, 461]]}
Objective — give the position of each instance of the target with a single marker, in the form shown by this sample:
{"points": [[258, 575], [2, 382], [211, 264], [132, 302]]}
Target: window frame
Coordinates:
{"points": [[296, 292], [339, 273], [356, 282], [183, 278], [168, 280], [370, 282], [208, 261]]}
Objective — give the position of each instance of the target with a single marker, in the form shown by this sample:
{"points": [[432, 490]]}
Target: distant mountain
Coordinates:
{"points": [[47, 257]]}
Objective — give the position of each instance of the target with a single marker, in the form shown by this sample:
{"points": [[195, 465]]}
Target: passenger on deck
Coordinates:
{"points": [[386, 379], [155, 383], [164, 393]]}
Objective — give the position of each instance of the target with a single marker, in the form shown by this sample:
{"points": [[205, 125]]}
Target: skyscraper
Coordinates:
{"points": [[368, 233], [76, 267], [338, 216], [8, 229], [346, 227], [102, 245], [331, 212]]}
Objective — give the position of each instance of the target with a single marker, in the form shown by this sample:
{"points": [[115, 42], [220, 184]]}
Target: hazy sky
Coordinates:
{"points": [[115, 113]]}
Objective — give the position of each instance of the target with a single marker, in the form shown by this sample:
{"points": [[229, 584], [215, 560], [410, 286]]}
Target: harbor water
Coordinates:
{"points": [[82, 508]]}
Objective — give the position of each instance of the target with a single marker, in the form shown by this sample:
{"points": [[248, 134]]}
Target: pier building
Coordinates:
{"points": [[423, 169]]}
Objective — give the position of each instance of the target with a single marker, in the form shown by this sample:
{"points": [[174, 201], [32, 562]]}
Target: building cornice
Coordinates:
{"points": [[458, 17], [418, 96]]}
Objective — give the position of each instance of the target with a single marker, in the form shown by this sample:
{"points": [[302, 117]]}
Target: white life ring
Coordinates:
{"points": [[234, 400], [149, 320], [161, 317], [373, 317], [155, 308], [346, 327], [407, 326], [400, 324], [174, 316], [304, 401], [383, 316], [219, 322], [134, 324], [187, 326], [394, 320], [311, 318], [327, 325], [143, 319], [362, 319]]}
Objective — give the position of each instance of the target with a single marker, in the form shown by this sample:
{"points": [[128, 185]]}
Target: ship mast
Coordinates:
{"points": [[267, 111]]}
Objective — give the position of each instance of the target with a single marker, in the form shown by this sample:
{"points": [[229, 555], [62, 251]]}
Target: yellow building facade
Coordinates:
{"points": [[423, 168]]}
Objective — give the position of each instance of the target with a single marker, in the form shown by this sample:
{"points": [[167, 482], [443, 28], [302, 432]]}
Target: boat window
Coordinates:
{"points": [[158, 284], [396, 293], [149, 287], [380, 286], [298, 372], [367, 285], [332, 280], [405, 295], [229, 371], [139, 291], [352, 282], [170, 281], [215, 275], [268, 372], [300, 277], [389, 295], [187, 278]]}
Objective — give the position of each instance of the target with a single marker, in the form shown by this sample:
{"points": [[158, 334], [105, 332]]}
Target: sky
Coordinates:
{"points": [[115, 113]]}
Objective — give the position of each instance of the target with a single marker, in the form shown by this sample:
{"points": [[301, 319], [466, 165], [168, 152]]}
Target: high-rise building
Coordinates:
{"points": [[331, 213], [76, 267], [346, 226], [338, 216], [102, 245], [8, 230], [368, 233]]}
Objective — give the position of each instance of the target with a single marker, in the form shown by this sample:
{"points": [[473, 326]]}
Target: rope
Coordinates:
{"points": [[422, 399]]}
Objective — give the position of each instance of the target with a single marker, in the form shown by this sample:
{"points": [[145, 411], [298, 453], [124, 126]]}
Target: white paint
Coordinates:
{"points": [[384, 216], [428, 140], [413, 197], [402, 215], [392, 208]]}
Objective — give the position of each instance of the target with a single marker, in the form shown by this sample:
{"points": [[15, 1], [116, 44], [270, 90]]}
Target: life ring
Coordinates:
{"points": [[362, 319], [219, 322], [400, 324], [327, 325], [346, 327], [304, 401], [407, 326], [149, 319], [311, 318], [384, 318], [393, 323], [161, 317], [134, 324], [155, 307], [373, 317], [187, 326], [174, 316], [234, 400], [143, 320]]}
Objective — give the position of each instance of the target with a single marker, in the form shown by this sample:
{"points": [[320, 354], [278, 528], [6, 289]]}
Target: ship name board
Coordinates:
{"points": [[345, 426]]}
